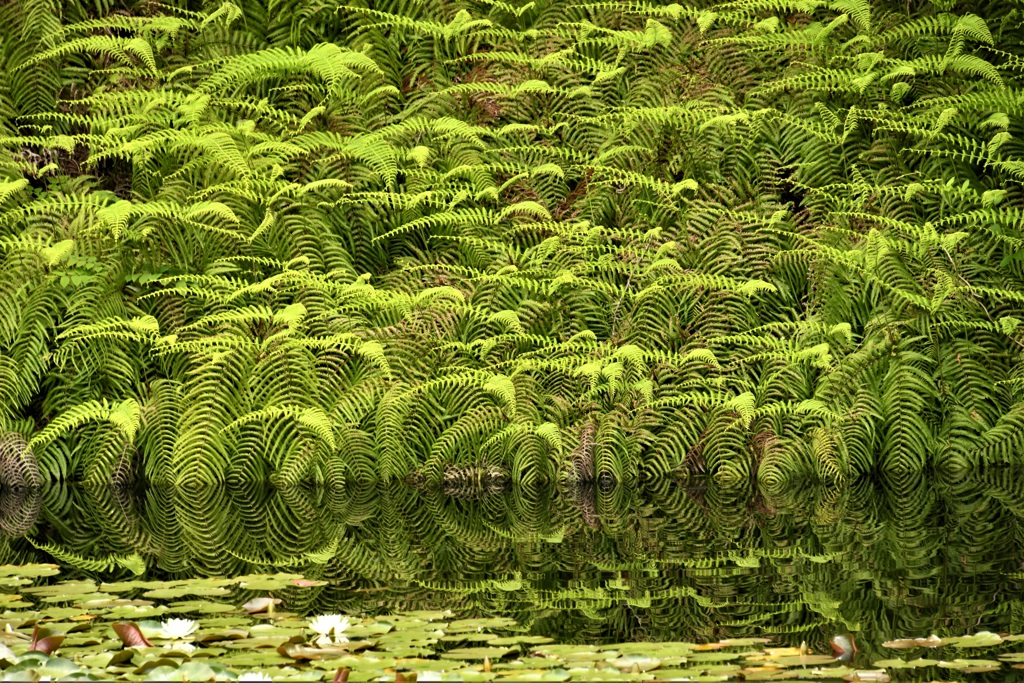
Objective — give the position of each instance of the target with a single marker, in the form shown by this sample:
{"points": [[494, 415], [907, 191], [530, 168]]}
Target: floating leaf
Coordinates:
{"points": [[980, 639], [901, 664], [636, 663], [261, 605], [477, 653], [30, 570], [302, 651], [930, 641], [971, 665], [45, 640], [880, 676], [130, 634]]}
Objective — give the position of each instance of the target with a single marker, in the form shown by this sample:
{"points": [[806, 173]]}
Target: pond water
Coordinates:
{"points": [[672, 561]]}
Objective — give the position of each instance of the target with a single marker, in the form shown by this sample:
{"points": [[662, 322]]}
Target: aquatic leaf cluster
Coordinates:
{"points": [[320, 241], [81, 630]]}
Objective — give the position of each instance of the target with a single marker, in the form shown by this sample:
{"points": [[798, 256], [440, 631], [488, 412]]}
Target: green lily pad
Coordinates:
{"points": [[538, 675], [800, 660], [467, 625], [469, 637], [362, 662], [64, 588], [524, 639], [637, 663], [257, 658], [134, 612], [477, 653], [971, 665], [268, 582], [174, 593], [199, 607], [717, 656], [29, 570], [257, 642], [428, 615], [561, 650], [902, 664], [980, 639]]}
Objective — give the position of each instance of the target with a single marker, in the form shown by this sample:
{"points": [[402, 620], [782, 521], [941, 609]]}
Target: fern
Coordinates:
{"points": [[514, 241]]}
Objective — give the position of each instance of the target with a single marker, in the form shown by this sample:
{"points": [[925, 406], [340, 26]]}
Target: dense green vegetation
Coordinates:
{"points": [[313, 240]]}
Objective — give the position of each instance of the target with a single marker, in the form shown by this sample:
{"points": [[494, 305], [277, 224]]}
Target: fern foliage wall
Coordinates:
{"points": [[314, 241]]}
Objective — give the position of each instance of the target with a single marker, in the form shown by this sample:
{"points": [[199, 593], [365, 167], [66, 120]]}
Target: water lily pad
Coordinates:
{"points": [[428, 615], [29, 570], [262, 604], [213, 636], [134, 612], [477, 653], [268, 582], [560, 650], [766, 673], [174, 593], [636, 663], [470, 676], [409, 651], [304, 652], [902, 664], [931, 641], [660, 650], [879, 676], [819, 673], [200, 607], [980, 639], [64, 588], [539, 675], [610, 674], [60, 613], [359, 663], [147, 665], [802, 660], [52, 667], [716, 656], [731, 642], [251, 658], [971, 665], [193, 671], [257, 643], [524, 639], [12, 601], [162, 673], [469, 637], [466, 625]]}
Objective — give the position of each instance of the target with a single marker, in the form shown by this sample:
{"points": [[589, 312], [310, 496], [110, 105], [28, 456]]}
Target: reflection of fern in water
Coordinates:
{"points": [[669, 561]]}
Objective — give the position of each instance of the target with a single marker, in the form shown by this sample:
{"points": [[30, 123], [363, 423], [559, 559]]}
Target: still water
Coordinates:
{"points": [[903, 556]]}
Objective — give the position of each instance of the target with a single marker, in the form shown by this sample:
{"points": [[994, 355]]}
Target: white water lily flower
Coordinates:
{"points": [[178, 628], [254, 677], [326, 624]]}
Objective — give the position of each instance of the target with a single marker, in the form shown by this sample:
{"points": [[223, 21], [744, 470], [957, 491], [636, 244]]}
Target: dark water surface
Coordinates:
{"points": [[907, 555]]}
